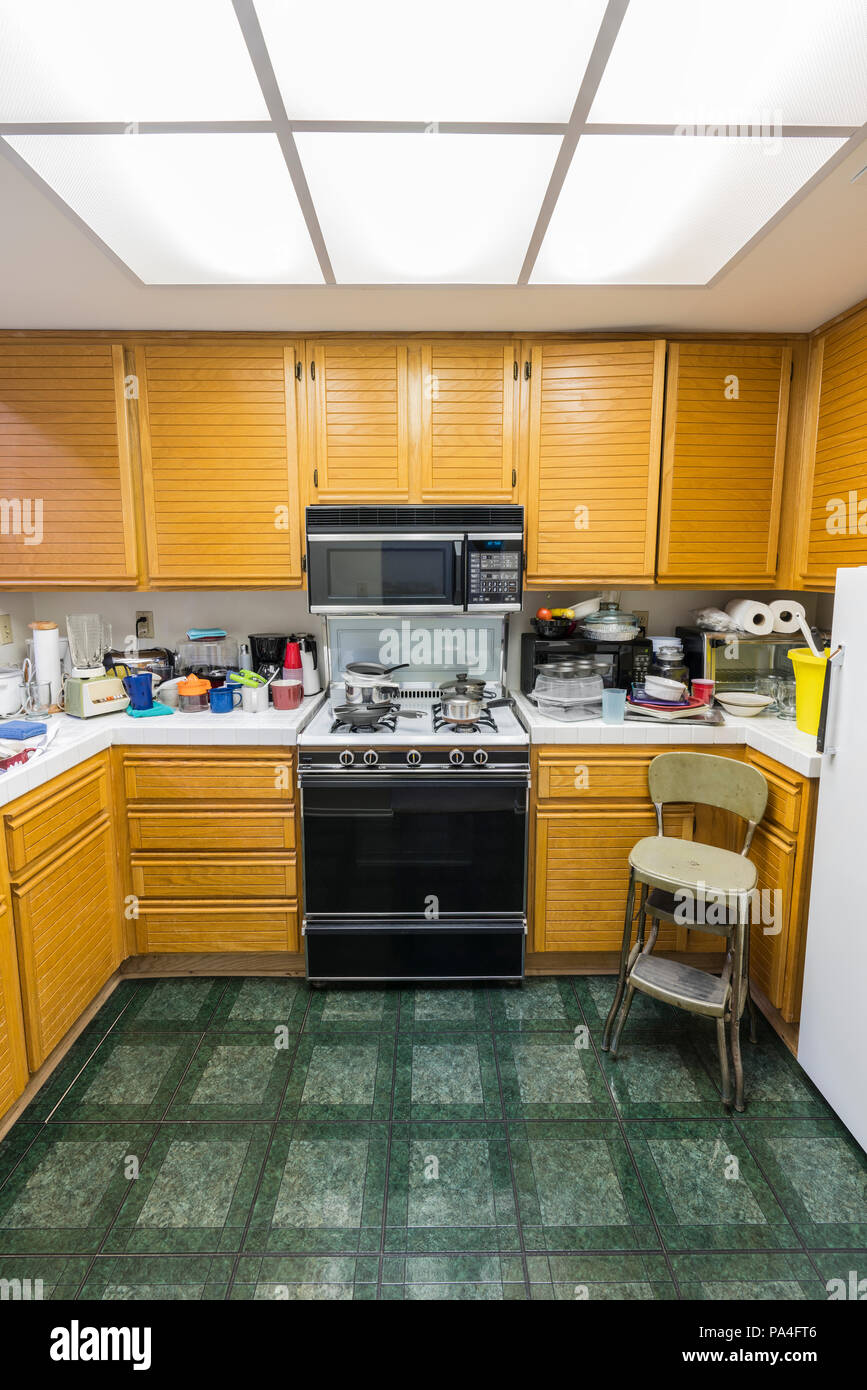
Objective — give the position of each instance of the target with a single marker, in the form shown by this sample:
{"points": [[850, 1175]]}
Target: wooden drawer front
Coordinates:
{"points": [[46, 822], [68, 929], [217, 927], [577, 775], [212, 830], [163, 876], [774, 857], [13, 1056], [582, 875], [785, 792], [209, 779]]}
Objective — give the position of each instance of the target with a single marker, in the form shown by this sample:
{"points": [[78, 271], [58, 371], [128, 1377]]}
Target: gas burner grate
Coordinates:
{"points": [[388, 721], [440, 722]]}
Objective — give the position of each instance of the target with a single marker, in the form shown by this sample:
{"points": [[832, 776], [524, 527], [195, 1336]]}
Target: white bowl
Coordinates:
{"points": [[744, 703], [663, 688]]}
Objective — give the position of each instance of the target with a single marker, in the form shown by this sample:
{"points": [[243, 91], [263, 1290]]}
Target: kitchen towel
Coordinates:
{"points": [[788, 614], [752, 617], [46, 656]]}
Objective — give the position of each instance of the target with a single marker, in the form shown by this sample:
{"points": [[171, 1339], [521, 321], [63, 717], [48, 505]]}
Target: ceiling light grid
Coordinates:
{"points": [[602, 142]]}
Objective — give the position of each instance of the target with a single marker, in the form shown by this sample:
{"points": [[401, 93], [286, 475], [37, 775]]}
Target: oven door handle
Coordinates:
{"points": [[408, 779]]}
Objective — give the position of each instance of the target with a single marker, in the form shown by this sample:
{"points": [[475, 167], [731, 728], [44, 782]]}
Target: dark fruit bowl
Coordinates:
{"points": [[554, 627]]}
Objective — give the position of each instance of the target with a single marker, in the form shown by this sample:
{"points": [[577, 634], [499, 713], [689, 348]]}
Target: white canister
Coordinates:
{"points": [[11, 691], [254, 699]]}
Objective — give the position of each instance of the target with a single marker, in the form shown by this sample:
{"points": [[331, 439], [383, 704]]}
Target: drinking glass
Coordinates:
{"points": [[613, 706], [785, 697]]}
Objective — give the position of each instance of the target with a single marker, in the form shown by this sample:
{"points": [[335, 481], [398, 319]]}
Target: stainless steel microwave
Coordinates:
{"points": [[415, 559]]}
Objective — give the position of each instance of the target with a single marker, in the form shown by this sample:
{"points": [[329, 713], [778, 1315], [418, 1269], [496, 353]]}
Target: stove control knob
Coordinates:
{"points": [[456, 757], [413, 757], [480, 757], [347, 758], [371, 757]]}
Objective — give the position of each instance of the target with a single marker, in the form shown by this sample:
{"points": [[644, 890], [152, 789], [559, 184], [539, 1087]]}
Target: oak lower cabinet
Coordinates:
{"points": [[13, 1052], [210, 857], [64, 902]]}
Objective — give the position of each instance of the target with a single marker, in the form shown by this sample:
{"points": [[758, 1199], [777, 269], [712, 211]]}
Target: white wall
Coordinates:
{"points": [[21, 609]]}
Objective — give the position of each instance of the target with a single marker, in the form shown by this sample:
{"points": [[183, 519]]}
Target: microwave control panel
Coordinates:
{"points": [[494, 571]]}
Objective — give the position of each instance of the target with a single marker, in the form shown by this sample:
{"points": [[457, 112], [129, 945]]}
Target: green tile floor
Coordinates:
{"points": [[254, 1138]]}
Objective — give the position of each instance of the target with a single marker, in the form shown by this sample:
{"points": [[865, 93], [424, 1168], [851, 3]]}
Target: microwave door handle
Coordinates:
{"points": [[462, 560]]}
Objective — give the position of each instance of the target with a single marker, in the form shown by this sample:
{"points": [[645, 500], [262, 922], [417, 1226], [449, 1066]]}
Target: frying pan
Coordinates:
{"points": [[369, 716]]}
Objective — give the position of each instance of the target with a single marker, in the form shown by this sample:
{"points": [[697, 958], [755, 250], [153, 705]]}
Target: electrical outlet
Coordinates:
{"points": [[5, 629], [643, 616], [144, 623]]}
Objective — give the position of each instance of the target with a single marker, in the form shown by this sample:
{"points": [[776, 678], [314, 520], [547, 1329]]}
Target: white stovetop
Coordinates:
{"points": [[413, 731]]}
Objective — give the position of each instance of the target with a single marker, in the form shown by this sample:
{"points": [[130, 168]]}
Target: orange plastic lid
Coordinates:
{"points": [[193, 685]]}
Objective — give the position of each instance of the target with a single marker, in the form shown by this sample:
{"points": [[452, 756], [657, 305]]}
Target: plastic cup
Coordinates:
{"points": [[613, 706], [703, 690]]}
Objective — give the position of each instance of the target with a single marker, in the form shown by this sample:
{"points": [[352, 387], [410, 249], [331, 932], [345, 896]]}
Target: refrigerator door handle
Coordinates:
{"points": [[824, 742]]}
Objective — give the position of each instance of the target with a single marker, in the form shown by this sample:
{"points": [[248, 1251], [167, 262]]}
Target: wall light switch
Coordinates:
{"points": [[5, 629]]}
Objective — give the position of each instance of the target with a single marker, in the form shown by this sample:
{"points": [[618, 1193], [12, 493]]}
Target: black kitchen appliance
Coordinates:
{"points": [[415, 559], [625, 662], [267, 650]]}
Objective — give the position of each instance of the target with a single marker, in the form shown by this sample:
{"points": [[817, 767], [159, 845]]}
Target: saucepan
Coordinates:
{"points": [[365, 683], [466, 709]]}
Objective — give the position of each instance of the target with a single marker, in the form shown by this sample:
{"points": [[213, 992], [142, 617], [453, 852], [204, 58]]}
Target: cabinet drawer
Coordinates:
{"points": [[164, 876], [209, 779], [579, 775], [54, 815], [785, 792], [212, 830], [217, 927], [68, 928]]}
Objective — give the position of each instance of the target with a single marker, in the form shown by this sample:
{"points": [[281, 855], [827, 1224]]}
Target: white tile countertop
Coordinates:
{"points": [[776, 738], [77, 740]]}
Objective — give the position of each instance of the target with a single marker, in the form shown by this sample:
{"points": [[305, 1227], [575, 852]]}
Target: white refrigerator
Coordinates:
{"points": [[832, 1046]]}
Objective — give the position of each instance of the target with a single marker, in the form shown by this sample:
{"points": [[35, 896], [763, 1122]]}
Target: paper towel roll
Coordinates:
{"points": [[46, 656], [788, 614], [752, 617]]}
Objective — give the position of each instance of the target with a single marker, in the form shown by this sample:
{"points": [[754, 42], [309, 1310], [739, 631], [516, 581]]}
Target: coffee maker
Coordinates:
{"points": [[266, 652]]}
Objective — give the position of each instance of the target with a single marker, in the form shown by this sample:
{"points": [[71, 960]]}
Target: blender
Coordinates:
{"points": [[87, 689]]}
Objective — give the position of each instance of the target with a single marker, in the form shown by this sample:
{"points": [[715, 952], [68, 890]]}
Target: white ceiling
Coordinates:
{"points": [[236, 228]]}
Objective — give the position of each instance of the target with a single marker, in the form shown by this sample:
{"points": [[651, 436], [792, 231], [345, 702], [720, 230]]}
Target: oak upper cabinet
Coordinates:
{"points": [[722, 467], [219, 462], [594, 438], [65, 473], [468, 399], [357, 420], [833, 502]]}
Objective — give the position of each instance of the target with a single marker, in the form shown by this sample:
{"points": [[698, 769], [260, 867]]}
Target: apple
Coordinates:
{"points": [[543, 614]]}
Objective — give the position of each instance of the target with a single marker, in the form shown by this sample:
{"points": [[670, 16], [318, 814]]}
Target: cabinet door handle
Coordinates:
{"points": [[312, 371], [298, 371], [316, 477], [515, 367], [526, 371], [514, 477]]}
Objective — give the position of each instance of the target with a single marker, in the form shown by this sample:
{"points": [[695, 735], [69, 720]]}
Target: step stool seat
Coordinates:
{"points": [[681, 985], [665, 861]]}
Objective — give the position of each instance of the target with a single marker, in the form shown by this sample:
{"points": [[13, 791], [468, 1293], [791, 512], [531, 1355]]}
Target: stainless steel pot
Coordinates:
{"points": [[465, 709], [359, 692]]}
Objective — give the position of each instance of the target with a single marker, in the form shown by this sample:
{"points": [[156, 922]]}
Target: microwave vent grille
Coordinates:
{"points": [[404, 517]]}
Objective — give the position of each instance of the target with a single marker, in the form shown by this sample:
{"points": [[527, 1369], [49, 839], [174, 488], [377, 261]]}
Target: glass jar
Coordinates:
{"points": [[668, 662]]}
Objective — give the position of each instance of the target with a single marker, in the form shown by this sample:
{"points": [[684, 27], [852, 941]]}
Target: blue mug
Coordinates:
{"points": [[224, 697], [140, 689]]}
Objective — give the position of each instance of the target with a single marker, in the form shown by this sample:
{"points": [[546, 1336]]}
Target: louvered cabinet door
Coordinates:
{"points": [[722, 468], [468, 405], [219, 463], [65, 478], [834, 497], [67, 924], [358, 421], [13, 1056], [774, 854], [594, 456]]}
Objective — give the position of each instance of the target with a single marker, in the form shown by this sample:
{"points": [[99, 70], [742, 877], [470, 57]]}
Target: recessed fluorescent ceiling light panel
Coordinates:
{"points": [[456, 60], [183, 209], [662, 210], [687, 61], [427, 208], [108, 60]]}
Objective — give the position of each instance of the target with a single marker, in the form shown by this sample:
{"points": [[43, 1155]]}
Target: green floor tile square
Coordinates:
{"points": [[309, 1278], [262, 1004], [164, 1278], [774, 1084], [446, 1076], [656, 1077], [588, 1278], [131, 1076], [596, 993], [233, 1076], [447, 1278], [38, 1278], [16, 1143], [577, 1188], [194, 1191], [353, 1011], [70, 1183], [323, 1190], [820, 1176], [747, 1277], [447, 1008], [551, 1076], [705, 1188], [172, 1006], [450, 1189], [842, 1274], [544, 1002], [337, 1077]]}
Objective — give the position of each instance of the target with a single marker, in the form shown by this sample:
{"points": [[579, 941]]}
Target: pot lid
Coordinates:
{"points": [[193, 685], [610, 615]]}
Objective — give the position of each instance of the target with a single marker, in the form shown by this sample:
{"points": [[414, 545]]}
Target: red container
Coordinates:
{"points": [[286, 694]]}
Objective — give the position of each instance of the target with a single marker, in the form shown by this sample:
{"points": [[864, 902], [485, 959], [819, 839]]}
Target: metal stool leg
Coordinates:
{"points": [[624, 956], [752, 1010], [737, 1009], [624, 1013], [723, 1048]]}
